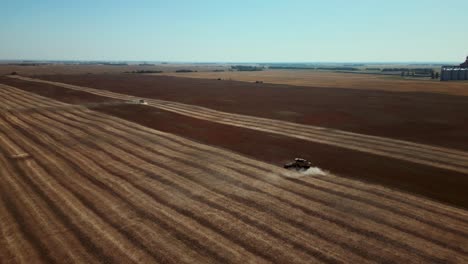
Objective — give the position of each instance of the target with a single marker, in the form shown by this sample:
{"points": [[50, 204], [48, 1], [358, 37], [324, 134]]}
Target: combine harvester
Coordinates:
{"points": [[298, 164]]}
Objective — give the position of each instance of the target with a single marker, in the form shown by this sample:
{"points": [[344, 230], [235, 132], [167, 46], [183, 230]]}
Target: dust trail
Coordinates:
{"points": [[312, 171]]}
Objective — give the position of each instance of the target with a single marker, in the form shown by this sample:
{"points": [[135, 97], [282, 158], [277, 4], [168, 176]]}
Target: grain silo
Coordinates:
{"points": [[444, 74], [454, 73]]}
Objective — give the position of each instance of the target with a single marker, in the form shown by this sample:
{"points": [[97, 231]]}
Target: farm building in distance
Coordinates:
{"points": [[455, 73]]}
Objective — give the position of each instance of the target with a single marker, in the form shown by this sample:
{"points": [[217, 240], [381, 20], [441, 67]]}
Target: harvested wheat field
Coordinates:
{"points": [[82, 186], [273, 148]]}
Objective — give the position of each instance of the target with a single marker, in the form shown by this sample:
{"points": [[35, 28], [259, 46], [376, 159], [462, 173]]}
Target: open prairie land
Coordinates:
{"points": [[82, 186]]}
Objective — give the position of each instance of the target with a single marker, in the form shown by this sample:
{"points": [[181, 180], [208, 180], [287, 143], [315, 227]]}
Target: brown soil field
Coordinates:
{"points": [[92, 188], [278, 149], [427, 118]]}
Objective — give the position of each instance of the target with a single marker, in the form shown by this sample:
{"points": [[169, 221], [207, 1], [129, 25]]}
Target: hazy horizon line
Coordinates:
{"points": [[225, 62]]}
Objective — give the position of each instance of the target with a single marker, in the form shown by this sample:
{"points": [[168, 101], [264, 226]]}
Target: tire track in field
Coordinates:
{"points": [[418, 153]]}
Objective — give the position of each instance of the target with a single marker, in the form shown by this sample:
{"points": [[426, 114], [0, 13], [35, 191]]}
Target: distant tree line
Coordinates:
{"points": [[354, 64], [421, 73], [312, 68], [29, 64], [114, 63], [338, 68], [415, 70], [395, 69], [246, 68], [291, 68], [185, 70], [145, 71]]}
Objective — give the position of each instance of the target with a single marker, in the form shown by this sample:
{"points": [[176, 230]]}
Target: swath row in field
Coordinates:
{"points": [[145, 196], [439, 157]]}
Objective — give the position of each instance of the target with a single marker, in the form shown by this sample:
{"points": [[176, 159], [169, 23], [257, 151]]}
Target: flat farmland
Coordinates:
{"points": [[309, 78], [82, 186], [402, 171]]}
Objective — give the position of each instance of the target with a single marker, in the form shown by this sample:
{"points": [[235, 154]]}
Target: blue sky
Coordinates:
{"points": [[235, 31]]}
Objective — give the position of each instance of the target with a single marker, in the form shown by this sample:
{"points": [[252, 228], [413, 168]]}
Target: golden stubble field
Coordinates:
{"points": [[95, 188]]}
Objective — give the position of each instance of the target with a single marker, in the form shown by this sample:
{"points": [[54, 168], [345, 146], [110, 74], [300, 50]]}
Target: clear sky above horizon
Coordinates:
{"points": [[235, 31]]}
